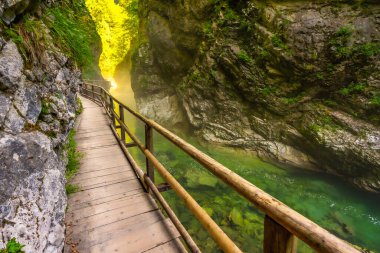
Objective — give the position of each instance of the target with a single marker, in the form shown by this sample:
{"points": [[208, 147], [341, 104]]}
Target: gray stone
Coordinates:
{"points": [[13, 121], [11, 65], [5, 104], [33, 195], [27, 102], [9, 9]]}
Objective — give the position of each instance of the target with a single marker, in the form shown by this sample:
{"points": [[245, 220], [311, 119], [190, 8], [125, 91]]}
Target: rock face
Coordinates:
{"points": [[298, 82], [37, 110], [9, 9]]}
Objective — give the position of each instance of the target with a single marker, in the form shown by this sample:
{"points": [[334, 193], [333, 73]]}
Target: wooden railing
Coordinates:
{"points": [[281, 224]]}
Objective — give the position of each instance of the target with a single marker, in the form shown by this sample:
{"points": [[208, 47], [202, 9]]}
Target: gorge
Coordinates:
{"points": [[289, 89]]}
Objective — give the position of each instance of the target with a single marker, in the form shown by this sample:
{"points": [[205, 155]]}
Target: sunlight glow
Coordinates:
{"points": [[116, 25], [113, 83]]}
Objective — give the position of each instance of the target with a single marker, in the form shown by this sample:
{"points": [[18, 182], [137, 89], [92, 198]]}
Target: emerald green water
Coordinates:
{"points": [[350, 214]]}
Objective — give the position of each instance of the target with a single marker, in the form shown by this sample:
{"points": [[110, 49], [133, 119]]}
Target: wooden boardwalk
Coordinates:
{"points": [[112, 212]]}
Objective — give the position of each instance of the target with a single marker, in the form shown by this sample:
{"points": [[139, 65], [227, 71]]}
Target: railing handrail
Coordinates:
{"points": [[315, 236]]}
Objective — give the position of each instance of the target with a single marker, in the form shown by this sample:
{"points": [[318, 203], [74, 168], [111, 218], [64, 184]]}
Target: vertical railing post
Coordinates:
{"points": [[122, 132], [278, 239], [149, 146], [93, 92], [112, 111]]}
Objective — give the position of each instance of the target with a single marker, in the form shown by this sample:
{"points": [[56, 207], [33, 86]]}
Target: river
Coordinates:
{"points": [[351, 214]]}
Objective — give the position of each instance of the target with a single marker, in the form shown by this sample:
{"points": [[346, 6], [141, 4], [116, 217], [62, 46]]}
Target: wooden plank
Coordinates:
{"points": [[90, 175], [101, 219], [105, 191], [174, 246], [139, 240], [76, 205], [127, 203], [104, 233], [101, 132], [96, 144], [104, 182], [90, 165], [112, 208], [102, 152], [277, 239]]}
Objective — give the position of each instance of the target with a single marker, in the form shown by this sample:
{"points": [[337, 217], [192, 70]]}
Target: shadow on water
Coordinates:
{"points": [[351, 214]]}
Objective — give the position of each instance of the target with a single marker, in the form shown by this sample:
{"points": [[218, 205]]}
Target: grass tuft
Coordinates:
{"points": [[73, 156], [13, 246], [71, 189]]}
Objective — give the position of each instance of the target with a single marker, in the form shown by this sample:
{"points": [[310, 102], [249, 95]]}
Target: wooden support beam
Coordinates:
{"points": [[122, 131], [278, 239], [149, 146], [163, 187]]}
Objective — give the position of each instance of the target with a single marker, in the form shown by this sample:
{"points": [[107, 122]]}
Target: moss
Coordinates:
{"points": [[277, 41], [375, 100], [195, 76], [339, 42], [368, 49], [292, 100], [207, 29], [320, 76], [268, 90], [243, 56], [79, 107], [230, 15], [329, 102], [45, 108], [352, 88]]}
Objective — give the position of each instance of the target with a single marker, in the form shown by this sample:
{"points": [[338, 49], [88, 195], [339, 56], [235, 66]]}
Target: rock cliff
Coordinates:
{"points": [[296, 81], [38, 103]]}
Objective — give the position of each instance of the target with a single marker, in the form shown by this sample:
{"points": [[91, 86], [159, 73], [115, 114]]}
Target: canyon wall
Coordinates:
{"points": [[296, 81], [39, 81]]}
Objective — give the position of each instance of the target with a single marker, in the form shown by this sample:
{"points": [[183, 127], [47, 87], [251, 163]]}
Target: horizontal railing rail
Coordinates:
{"points": [[281, 224]]}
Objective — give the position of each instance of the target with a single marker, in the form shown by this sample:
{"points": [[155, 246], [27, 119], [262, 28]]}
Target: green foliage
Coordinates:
{"points": [[268, 90], [243, 56], [292, 100], [74, 33], [73, 156], [230, 15], [329, 102], [375, 100], [339, 42], [79, 108], [12, 33], [207, 29], [324, 122], [278, 42], [71, 188], [320, 76], [369, 49], [345, 31], [352, 88], [45, 108], [195, 76], [315, 128], [13, 246]]}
